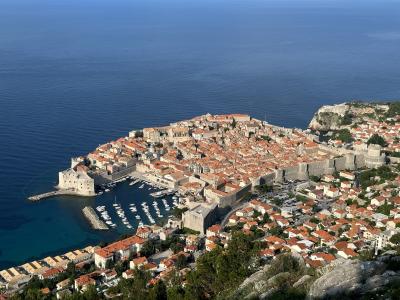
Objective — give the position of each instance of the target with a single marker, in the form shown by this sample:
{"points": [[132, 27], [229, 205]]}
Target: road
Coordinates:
{"points": [[223, 223]]}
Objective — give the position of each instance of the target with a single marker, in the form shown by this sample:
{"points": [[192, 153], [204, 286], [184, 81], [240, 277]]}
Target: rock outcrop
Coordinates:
{"points": [[351, 277], [286, 270], [335, 117], [288, 277], [328, 117]]}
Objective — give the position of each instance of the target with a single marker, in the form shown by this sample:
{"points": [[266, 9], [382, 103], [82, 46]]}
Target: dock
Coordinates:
{"points": [[163, 193], [142, 177], [50, 194], [94, 219]]}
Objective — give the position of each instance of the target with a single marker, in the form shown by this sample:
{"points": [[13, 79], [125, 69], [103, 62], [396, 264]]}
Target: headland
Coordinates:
{"points": [[214, 161]]}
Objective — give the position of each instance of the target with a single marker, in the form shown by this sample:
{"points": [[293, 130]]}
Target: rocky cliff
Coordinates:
{"points": [[354, 278], [335, 117], [283, 273], [287, 277], [329, 117]]}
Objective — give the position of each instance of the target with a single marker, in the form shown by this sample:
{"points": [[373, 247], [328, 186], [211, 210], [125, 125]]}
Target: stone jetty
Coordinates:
{"points": [[59, 192], [94, 219]]}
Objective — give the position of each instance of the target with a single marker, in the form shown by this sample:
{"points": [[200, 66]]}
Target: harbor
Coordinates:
{"points": [[129, 203], [154, 203]]}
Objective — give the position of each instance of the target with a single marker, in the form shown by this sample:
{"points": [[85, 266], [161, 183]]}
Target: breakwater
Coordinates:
{"points": [[94, 219], [52, 194]]}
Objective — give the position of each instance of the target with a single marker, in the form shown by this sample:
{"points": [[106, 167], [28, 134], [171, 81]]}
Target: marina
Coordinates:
{"points": [[121, 214], [127, 204], [106, 217]]}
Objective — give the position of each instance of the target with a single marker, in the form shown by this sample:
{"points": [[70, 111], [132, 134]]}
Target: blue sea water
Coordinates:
{"points": [[77, 73]]}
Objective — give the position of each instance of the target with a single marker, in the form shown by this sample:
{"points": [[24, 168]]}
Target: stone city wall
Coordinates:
{"points": [[349, 161], [233, 197]]}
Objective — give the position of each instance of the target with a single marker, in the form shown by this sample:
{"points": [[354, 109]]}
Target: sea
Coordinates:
{"points": [[78, 73]]}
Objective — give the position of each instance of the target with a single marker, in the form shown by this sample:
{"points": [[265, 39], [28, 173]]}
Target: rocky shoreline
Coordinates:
{"points": [[339, 116]]}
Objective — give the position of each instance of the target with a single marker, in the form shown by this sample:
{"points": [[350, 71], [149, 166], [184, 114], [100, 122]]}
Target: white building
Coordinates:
{"points": [[382, 240]]}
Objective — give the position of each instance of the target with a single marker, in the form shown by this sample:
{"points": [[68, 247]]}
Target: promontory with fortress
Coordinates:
{"points": [[220, 157]]}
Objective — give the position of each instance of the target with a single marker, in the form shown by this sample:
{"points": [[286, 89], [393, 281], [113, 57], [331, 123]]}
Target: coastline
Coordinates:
{"points": [[349, 162]]}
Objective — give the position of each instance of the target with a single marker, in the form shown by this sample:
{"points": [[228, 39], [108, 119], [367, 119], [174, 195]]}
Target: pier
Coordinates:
{"points": [[163, 193], [51, 194], [94, 219]]}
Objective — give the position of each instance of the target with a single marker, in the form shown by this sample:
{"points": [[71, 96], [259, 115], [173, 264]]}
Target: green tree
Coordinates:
{"points": [[377, 139], [315, 220], [347, 119], [176, 292], [220, 271], [234, 123], [33, 294], [394, 109], [177, 247], [265, 219], [385, 208], [266, 138], [278, 231], [264, 188], [158, 292], [256, 214], [301, 198], [344, 135], [181, 262], [71, 270], [395, 239], [121, 266], [148, 249], [177, 212]]}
